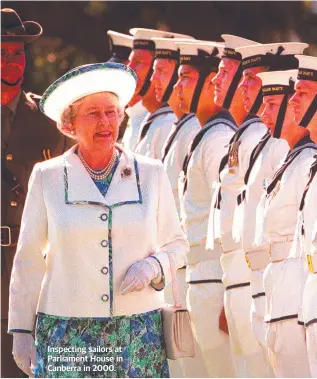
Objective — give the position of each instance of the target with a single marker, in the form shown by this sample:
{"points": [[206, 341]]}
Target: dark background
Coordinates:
{"points": [[75, 31]]}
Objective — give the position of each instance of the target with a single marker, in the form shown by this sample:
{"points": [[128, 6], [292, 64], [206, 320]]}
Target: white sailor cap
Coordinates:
{"points": [[232, 43], [143, 37], [167, 48], [120, 46], [307, 67], [277, 82], [278, 56], [195, 52]]}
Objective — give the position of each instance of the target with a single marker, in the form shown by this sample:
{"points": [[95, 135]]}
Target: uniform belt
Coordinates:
{"points": [[237, 286], [9, 235], [280, 250], [312, 263], [227, 243], [257, 260], [205, 281]]}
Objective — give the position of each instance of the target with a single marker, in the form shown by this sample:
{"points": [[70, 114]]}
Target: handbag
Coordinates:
{"points": [[177, 327]]}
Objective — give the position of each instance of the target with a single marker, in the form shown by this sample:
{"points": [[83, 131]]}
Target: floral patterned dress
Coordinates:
{"points": [[109, 347]]}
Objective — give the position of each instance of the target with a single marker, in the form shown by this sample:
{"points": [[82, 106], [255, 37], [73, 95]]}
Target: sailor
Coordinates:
{"points": [[283, 278], [164, 78], [199, 62], [307, 227], [141, 61], [120, 46], [257, 59], [158, 124], [165, 75], [304, 103], [249, 357]]}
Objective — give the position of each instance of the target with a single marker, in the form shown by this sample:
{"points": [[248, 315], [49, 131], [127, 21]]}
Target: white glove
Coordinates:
{"points": [[24, 352], [140, 275]]}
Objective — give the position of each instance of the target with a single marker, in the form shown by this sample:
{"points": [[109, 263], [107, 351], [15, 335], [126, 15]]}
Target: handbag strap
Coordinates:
{"points": [[176, 297]]}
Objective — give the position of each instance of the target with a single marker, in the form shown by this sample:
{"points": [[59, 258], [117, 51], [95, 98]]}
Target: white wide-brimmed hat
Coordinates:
{"points": [[87, 80]]}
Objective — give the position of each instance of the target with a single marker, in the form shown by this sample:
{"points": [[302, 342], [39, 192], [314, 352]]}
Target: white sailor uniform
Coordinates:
{"points": [[137, 114], [249, 357], [307, 247], [285, 276], [176, 147], [203, 273], [153, 132], [268, 155]]}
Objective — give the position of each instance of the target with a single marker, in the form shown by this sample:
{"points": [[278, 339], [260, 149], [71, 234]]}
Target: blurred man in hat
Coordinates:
{"points": [[304, 104], [165, 75], [284, 276], [198, 65], [156, 126], [27, 137], [249, 358], [256, 59], [120, 48]]}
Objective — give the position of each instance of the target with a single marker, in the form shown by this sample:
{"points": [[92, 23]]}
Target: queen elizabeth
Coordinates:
{"points": [[98, 227]]}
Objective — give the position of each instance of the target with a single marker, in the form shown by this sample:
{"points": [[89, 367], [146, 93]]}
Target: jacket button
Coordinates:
{"points": [[104, 217], [104, 243], [9, 157], [105, 270], [13, 204], [105, 298]]}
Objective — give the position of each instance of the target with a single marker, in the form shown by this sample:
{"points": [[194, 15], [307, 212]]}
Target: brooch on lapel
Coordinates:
{"points": [[233, 160], [126, 172]]}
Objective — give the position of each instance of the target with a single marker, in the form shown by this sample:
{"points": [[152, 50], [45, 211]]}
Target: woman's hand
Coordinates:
{"points": [[24, 352], [140, 275]]}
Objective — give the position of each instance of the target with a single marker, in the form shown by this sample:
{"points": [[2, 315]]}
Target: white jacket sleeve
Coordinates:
{"points": [[170, 237], [29, 264]]}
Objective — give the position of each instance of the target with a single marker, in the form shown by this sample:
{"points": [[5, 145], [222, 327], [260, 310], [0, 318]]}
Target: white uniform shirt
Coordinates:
{"points": [[281, 210], [284, 280], [269, 160], [232, 180], [202, 172], [309, 246], [152, 144], [136, 114], [173, 162]]}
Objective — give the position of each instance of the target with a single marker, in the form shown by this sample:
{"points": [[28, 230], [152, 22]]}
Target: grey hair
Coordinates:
{"points": [[65, 125]]}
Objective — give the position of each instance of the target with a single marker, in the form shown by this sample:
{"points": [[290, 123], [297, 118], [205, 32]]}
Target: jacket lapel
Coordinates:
{"points": [[80, 188]]}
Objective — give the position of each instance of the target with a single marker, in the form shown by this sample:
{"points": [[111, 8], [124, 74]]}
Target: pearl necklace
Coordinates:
{"points": [[102, 174]]}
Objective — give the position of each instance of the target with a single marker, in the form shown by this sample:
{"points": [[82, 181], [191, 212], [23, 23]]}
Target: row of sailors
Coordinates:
{"points": [[238, 143]]}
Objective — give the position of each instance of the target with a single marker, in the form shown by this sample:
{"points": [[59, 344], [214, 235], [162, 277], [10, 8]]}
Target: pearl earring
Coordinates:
{"points": [[72, 132]]}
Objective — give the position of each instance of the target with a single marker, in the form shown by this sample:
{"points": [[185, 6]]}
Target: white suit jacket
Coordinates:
{"points": [[90, 241]]}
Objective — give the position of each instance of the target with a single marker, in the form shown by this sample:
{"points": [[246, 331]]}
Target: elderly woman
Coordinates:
{"points": [[98, 229]]}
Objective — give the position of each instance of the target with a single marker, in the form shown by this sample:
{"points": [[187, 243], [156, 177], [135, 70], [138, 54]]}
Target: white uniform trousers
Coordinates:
{"points": [[310, 319], [286, 361], [250, 359], [205, 303], [284, 285], [257, 312]]}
